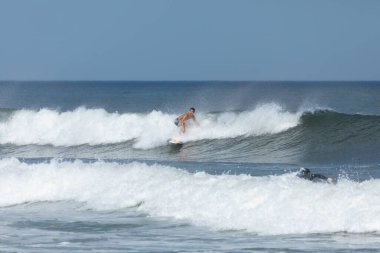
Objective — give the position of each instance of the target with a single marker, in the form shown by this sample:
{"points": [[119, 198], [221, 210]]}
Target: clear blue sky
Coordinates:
{"points": [[190, 40]]}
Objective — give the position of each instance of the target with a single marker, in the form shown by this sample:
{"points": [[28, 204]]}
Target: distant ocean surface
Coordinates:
{"points": [[86, 166]]}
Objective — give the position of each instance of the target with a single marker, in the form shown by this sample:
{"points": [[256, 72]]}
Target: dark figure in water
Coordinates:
{"points": [[306, 174]]}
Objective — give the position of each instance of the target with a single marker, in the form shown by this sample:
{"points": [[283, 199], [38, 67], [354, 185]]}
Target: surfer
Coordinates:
{"points": [[180, 120], [306, 174]]}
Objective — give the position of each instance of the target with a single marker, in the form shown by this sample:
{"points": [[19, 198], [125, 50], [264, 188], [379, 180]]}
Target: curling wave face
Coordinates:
{"points": [[281, 204], [266, 134], [96, 126]]}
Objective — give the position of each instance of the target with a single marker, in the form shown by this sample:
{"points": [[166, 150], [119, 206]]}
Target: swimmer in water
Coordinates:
{"points": [[306, 174]]}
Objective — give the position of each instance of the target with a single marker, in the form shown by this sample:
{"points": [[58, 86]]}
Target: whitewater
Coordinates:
{"points": [[283, 204], [96, 126]]}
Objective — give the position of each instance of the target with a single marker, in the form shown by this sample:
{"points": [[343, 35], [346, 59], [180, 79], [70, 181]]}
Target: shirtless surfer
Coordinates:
{"points": [[180, 120]]}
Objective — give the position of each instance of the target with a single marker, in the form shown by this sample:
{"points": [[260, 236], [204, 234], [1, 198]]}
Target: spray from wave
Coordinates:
{"points": [[96, 126], [267, 205]]}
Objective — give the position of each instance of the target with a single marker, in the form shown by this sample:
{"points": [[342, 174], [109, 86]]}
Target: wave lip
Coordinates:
{"points": [[81, 126], [96, 126], [266, 205], [264, 119]]}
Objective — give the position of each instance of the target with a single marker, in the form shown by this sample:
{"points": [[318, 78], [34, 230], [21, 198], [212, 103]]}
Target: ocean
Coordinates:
{"points": [[86, 166]]}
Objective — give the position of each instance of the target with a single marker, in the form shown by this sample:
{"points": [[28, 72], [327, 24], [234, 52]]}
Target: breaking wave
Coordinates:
{"points": [[281, 204], [96, 126]]}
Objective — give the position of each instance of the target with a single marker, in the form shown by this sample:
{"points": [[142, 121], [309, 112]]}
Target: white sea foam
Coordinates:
{"points": [[96, 126], [267, 205]]}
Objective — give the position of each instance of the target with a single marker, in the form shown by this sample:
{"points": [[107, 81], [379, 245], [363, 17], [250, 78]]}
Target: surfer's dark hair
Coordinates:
{"points": [[305, 171], [192, 109]]}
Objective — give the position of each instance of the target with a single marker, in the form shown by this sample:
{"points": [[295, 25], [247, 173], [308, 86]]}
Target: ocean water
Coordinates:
{"points": [[86, 166]]}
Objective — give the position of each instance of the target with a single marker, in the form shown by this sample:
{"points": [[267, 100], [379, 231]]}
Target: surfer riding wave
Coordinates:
{"points": [[180, 121]]}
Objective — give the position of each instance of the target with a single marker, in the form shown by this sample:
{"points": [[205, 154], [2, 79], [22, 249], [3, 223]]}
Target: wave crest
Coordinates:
{"points": [[96, 126]]}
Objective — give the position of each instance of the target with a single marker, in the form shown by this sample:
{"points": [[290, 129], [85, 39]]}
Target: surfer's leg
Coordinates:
{"points": [[183, 127]]}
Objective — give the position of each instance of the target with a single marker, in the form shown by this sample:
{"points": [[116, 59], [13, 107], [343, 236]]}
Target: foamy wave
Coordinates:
{"points": [[264, 119], [96, 126], [266, 205]]}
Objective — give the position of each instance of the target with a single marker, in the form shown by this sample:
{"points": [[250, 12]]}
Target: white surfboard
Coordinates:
{"points": [[175, 141]]}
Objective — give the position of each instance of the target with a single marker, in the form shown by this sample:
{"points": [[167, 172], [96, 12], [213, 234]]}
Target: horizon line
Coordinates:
{"points": [[226, 81]]}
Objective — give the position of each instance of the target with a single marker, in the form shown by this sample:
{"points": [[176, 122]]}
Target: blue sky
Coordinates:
{"points": [[190, 40]]}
